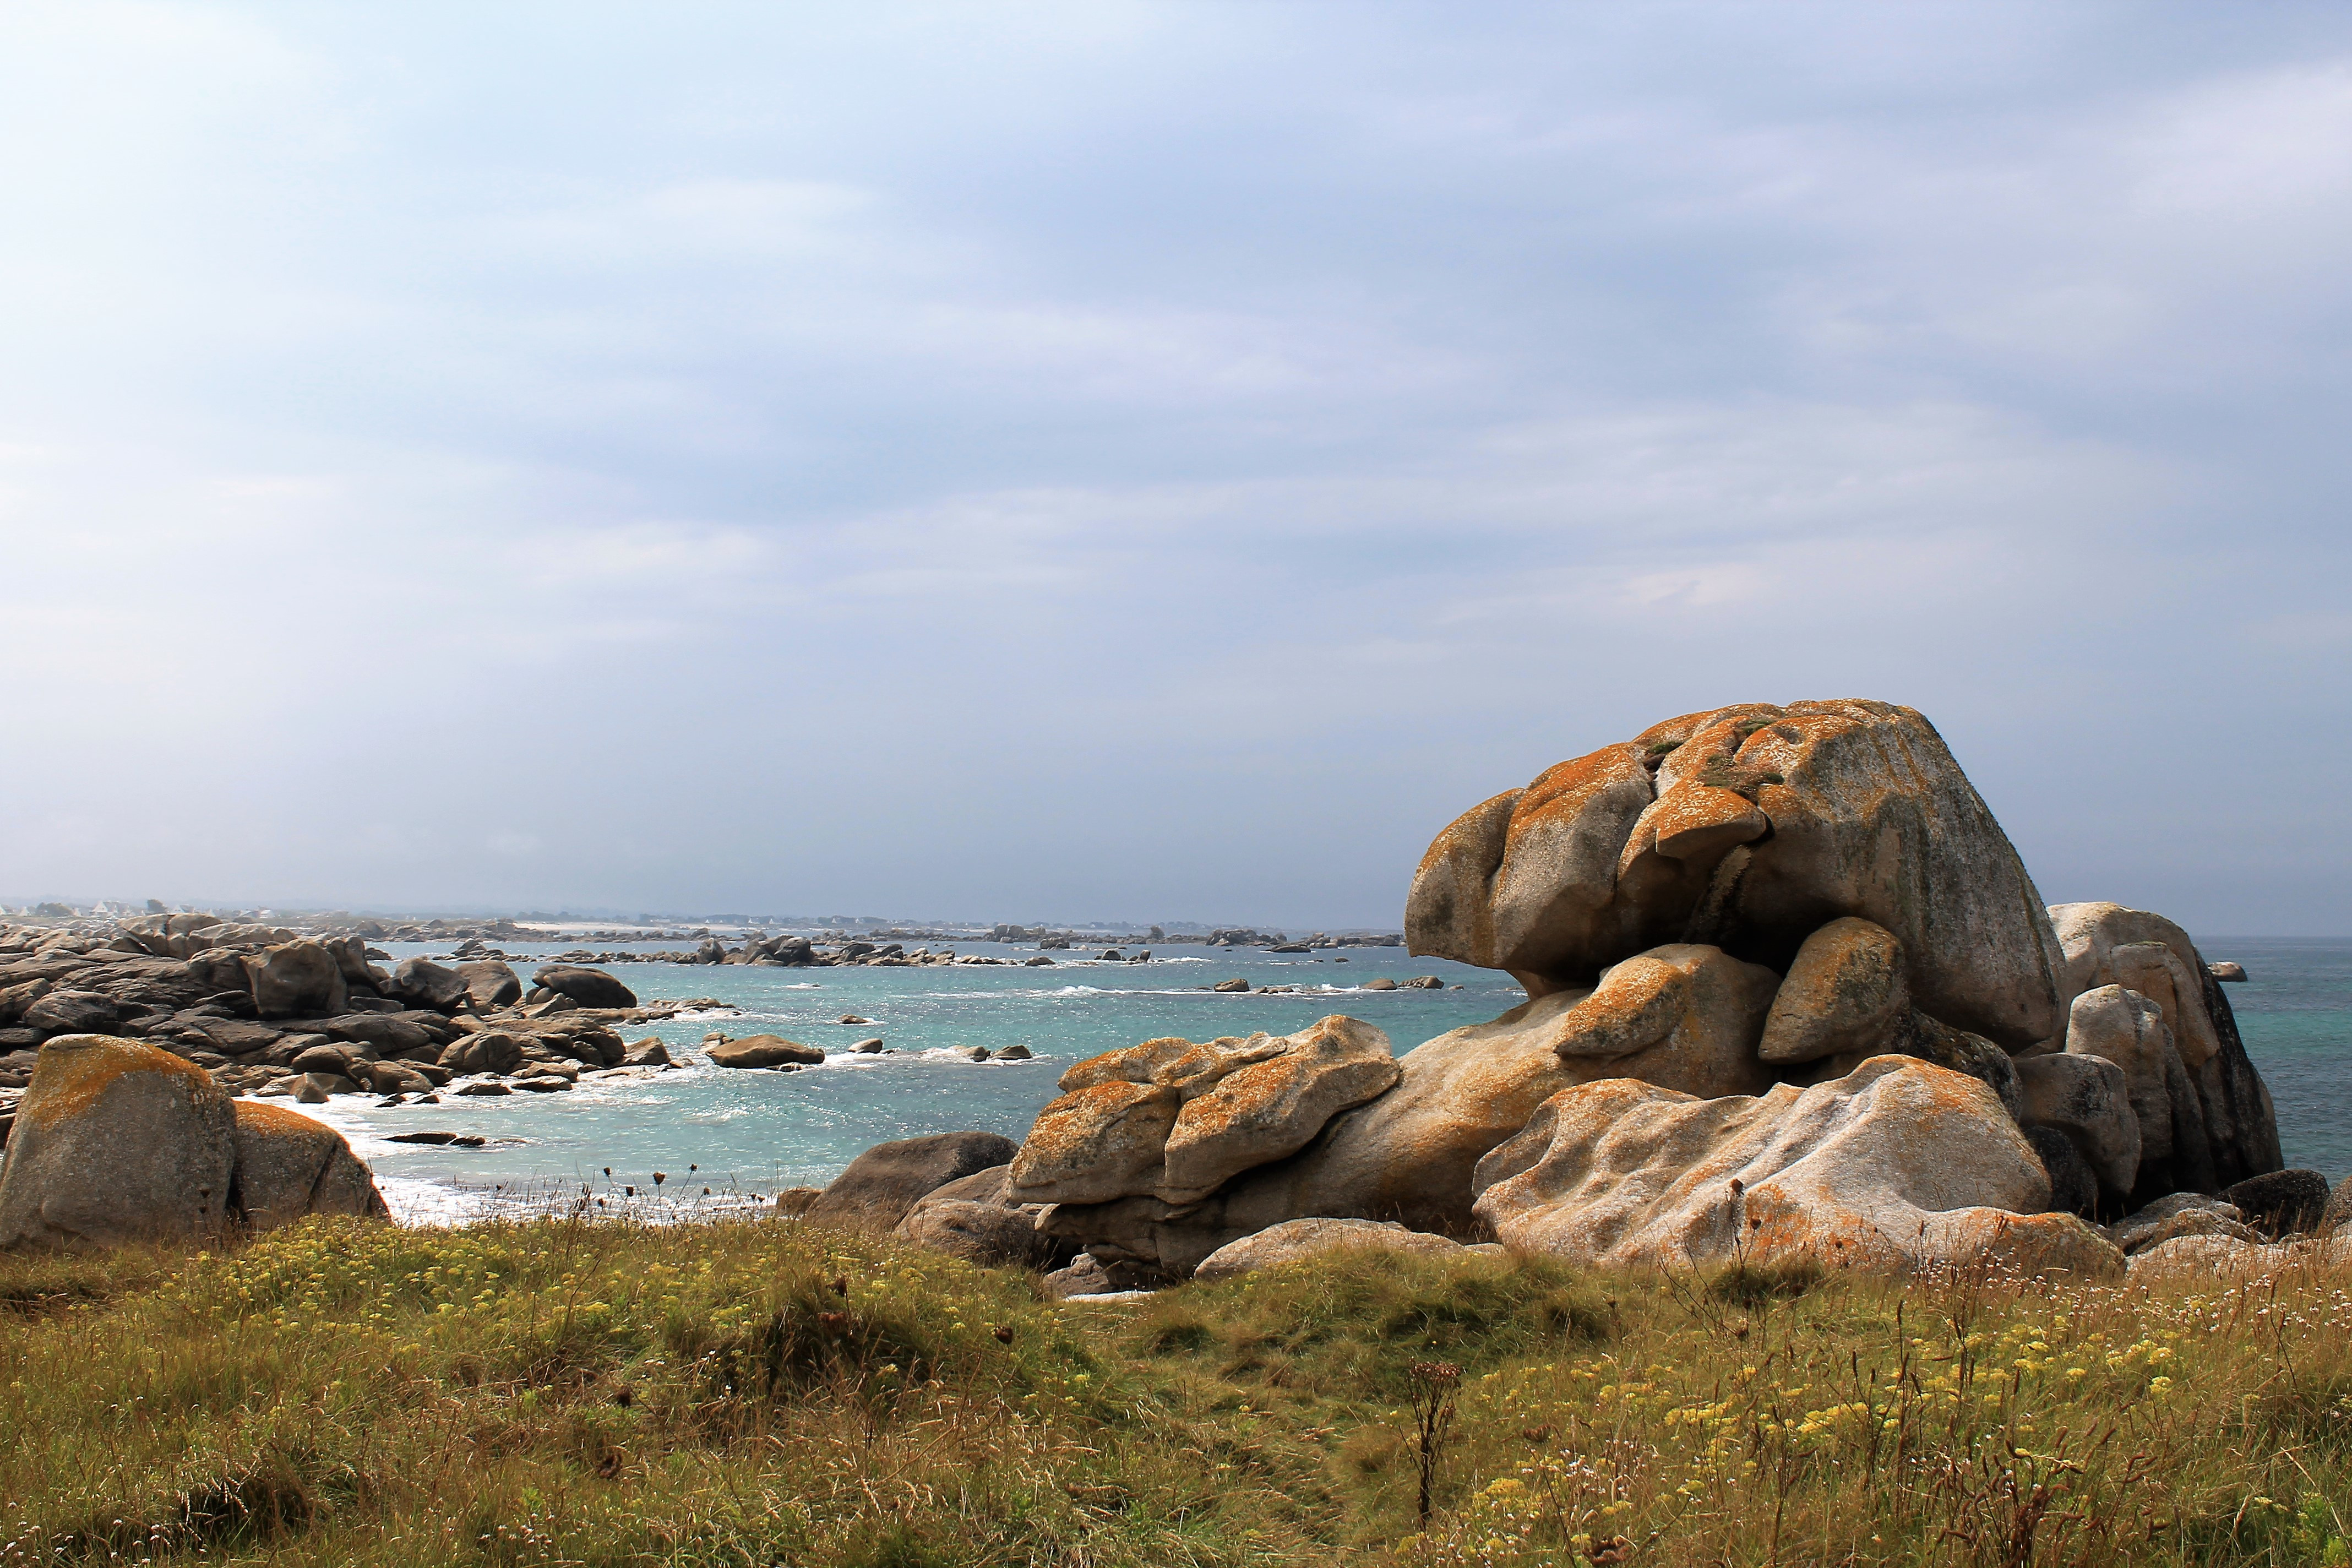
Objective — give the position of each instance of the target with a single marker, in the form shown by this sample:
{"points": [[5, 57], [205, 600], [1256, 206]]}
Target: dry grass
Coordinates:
{"points": [[571, 1392]]}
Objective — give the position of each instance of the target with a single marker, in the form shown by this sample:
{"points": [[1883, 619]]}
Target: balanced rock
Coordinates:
{"points": [[1749, 828], [1898, 1166], [289, 1165], [117, 1141], [1296, 1241], [884, 1182], [588, 987], [763, 1051]]}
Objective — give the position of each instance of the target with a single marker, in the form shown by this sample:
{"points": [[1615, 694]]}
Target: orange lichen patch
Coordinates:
{"points": [[1696, 822], [1268, 1108], [1449, 910], [74, 1070], [1147, 1063], [259, 1116], [1095, 1144], [1561, 792], [1637, 1004]]}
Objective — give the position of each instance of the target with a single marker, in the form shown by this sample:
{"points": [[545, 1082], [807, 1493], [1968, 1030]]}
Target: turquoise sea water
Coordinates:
{"points": [[752, 1132]]}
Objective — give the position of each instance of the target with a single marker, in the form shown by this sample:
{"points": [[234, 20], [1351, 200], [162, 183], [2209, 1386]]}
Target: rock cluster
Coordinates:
{"points": [[117, 1141], [1792, 994], [269, 1011]]}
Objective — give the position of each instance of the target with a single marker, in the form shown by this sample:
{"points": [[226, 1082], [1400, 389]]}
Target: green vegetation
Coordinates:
{"points": [[575, 1392]]}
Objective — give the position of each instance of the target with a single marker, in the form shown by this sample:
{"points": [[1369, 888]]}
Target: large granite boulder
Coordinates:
{"points": [[421, 983], [1898, 1166], [289, 1166], [489, 983], [884, 1182], [1176, 1120], [117, 1141], [589, 987], [2087, 1100], [1749, 828], [2112, 1024], [484, 1050], [298, 979]]}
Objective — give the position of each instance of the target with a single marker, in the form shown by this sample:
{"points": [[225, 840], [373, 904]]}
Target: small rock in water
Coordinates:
{"points": [[550, 1085], [2223, 969], [487, 1085], [851, 1019], [422, 1138], [1382, 984], [970, 1053], [1014, 1054], [1231, 985], [868, 1047]]}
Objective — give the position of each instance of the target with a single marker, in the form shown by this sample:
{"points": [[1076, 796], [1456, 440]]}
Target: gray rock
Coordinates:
{"points": [[2088, 1099], [763, 1051], [1085, 1276], [2281, 1202], [2074, 1187], [886, 1181], [1014, 1053], [588, 987], [2338, 1212], [73, 1013], [295, 980], [489, 983]]}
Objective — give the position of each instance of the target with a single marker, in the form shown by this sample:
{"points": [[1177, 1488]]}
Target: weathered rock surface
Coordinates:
{"points": [[116, 1142], [2112, 1024], [589, 987], [886, 1181], [289, 1166], [295, 980], [1683, 1017], [974, 1218], [1898, 1166], [484, 1050], [421, 983], [1176, 1120], [1296, 1241], [1750, 828], [2108, 944], [2338, 1212], [763, 1051], [2087, 1099], [63, 1012]]}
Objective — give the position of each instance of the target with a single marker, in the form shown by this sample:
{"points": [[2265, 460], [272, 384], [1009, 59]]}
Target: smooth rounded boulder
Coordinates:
{"points": [[1898, 1166], [489, 983], [1685, 1017], [117, 1141], [886, 1181], [588, 987], [289, 1166], [421, 983], [762, 1051]]}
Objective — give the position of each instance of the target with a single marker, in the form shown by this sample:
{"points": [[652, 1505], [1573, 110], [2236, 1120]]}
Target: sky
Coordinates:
{"points": [[1151, 461]]}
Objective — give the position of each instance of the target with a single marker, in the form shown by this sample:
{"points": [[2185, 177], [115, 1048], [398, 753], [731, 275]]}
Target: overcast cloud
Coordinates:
{"points": [[1150, 461]]}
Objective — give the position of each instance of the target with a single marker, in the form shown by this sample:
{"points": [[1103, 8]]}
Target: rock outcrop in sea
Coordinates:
{"points": [[1791, 993]]}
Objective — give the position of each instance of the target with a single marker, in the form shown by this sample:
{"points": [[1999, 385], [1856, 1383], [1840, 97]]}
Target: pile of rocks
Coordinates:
{"points": [[1791, 992], [269, 1011]]}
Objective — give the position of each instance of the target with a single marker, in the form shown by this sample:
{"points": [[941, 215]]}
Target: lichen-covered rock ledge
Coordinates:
{"points": [[1791, 993]]}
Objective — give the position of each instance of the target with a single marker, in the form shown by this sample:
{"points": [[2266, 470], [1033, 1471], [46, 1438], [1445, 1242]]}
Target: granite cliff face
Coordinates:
{"points": [[1784, 970]]}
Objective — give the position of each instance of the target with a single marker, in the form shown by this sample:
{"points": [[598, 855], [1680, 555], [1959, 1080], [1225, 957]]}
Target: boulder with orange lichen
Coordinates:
{"points": [[1683, 1017], [117, 1141], [1176, 1120], [289, 1166], [1749, 828], [1897, 1167]]}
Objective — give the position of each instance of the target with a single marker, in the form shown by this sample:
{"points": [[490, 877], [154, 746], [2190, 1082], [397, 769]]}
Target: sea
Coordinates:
{"points": [[705, 1139]]}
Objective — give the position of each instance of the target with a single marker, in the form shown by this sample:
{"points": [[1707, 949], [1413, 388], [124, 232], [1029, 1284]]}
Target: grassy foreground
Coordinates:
{"points": [[754, 1393]]}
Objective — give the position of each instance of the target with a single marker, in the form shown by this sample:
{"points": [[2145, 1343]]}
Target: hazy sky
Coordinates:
{"points": [[1050, 461]]}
